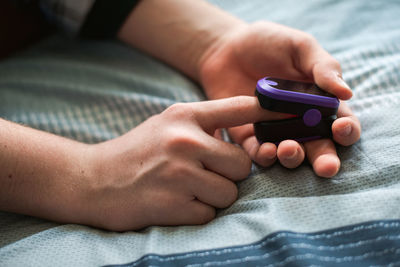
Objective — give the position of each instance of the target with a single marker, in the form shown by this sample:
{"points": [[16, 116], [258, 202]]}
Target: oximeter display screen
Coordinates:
{"points": [[301, 87]]}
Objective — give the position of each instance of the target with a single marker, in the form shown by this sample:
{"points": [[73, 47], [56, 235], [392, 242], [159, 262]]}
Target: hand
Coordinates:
{"points": [[234, 63], [170, 170]]}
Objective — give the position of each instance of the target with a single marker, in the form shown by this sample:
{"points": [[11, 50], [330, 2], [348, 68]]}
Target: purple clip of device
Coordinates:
{"points": [[311, 116], [268, 86], [316, 108]]}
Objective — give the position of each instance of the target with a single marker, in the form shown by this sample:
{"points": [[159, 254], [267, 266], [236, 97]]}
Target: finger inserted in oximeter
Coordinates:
{"points": [[315, 108]]}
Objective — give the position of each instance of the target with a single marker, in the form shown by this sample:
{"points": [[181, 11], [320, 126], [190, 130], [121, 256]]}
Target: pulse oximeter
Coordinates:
{"points": [[314, 109]]}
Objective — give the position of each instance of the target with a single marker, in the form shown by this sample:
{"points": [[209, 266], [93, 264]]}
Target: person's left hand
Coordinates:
{"points": [[238, 59]]}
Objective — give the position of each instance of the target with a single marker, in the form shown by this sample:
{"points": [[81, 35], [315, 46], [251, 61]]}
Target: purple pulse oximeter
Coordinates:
{"points": [[314, 108]]}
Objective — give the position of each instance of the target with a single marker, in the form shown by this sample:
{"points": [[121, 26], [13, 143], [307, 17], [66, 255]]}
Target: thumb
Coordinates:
{"points": [[231, 112], [316, 62], [328, 76]]}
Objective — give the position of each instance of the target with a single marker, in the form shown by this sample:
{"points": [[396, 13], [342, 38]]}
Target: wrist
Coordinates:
{"points": [[103, 199], [95, 198], [217, 61], [219, 39], [66, 185], [80, 174], [181, 34], [212, 40], [88, 174]]}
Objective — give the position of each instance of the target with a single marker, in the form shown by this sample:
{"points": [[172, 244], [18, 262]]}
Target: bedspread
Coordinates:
{"points": [[93, 91]]}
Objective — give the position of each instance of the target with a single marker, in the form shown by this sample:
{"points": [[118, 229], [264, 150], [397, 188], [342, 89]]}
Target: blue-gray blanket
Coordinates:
{"points": [[93, 91]]}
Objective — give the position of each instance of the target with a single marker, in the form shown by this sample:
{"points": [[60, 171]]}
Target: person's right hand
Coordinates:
{"points": [[170, 170]]}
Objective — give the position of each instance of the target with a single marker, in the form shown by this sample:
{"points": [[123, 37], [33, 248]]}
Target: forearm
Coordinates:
{"points": [[40, 173], [178, 32]]}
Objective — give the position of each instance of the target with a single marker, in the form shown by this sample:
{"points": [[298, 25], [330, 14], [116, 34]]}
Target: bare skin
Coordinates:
{"points": [[227, 56], [171, 169], [176, 175], [267, 48]]}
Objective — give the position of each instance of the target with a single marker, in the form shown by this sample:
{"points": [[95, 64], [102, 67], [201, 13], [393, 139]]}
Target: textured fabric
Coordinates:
{"points": [[94, 91], [345, 246], [89, 18], [68, 15], [106, 18]]}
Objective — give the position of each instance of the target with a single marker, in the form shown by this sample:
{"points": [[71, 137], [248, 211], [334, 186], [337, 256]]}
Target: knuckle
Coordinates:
{"points": [[179, 169], [307, 39], [260, 24], [244, 164], [239, 103], [304, 42], [206, 215], [332, 63], [175, 172], [180, 140], [179, 111], [265, 25], [230, 195], [335, 63]]}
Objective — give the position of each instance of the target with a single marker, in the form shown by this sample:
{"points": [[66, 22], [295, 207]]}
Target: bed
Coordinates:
{"points": [[92, 91]]}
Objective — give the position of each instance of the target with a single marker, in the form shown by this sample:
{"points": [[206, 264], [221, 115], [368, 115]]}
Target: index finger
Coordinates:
{"points": [[231, 112]]}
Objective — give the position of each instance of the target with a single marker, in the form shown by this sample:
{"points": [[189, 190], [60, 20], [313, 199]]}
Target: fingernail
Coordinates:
{"points": [[345, 131], [271, 151], [292, 156], [342, 82], [270, 156]]}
